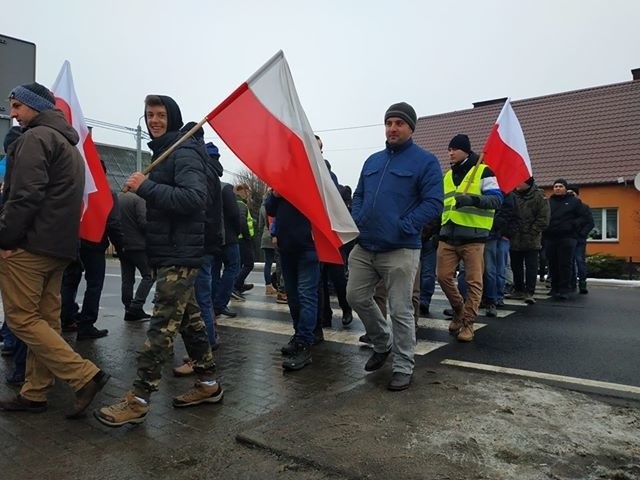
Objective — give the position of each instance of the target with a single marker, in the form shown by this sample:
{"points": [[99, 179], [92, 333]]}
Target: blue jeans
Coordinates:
{"points": [[502, 257], [301, 272], [269, 256], [8, 338], [203, 296], [222, 285], [427, 272], [580, 267]]}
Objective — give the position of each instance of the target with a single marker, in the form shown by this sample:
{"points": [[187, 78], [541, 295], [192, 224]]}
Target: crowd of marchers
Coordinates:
{"points": [[192, 235]]}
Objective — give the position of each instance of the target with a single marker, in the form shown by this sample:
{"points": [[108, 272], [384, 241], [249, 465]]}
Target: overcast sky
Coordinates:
{"points": [[349, 59]]}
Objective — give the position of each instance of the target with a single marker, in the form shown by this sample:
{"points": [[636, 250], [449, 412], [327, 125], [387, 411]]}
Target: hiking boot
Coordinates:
{"points": [[582, 286], [376, 361], [299, 359], [455, 325], [136, 315], [237, 295], [281, 298], [200, 393], [491, 310], [130, 409], [466, 333], [365, 339], [21, 404], [529, 300], [347, 318], [516, 296], [269, 290], [226, 312], [91, 333], [86, 394], [246, 287], [399, 381], [184, 370], [290, 347], [500, 304]]}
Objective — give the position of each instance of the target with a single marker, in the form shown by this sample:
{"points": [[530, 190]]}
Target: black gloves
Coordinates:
{"points": [[467, 201]]}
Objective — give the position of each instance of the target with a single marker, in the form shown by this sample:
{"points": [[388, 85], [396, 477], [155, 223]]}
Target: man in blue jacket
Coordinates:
{"points": [[399, 191]]}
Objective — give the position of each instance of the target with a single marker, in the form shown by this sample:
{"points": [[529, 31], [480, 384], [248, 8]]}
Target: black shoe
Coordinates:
{"points": [[226, 312], [561, 296], [399, 381], [237, 295], [136, 315], [14, 380], [583, 288], [500, 304], [347, 318], [86, 394], [290, 347], [448, 312], [246, 287], [365, 339], [21, 404], [69, 327], [424, 310], [298, 359], [376, 361], [318, 338], [91, 333]]}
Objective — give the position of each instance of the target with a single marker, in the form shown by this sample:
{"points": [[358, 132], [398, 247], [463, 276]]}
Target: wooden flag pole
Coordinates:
{"points": [[171, 149], [473, 173]]}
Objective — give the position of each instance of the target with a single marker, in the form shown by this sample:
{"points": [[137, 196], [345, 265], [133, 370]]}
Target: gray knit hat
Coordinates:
{"points": [[35, 96], [404, 111]]}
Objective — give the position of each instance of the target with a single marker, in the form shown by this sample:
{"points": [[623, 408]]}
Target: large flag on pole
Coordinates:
{"points": [[97, 198], [505, 151], [263, 123]]}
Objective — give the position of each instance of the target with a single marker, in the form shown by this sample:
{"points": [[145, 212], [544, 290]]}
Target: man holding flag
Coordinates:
{"points": [[39, 226]]}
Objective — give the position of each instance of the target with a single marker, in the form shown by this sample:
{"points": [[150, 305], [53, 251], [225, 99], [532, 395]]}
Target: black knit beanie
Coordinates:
{"points": [[461, 142], [404, 111], [563, 182]]}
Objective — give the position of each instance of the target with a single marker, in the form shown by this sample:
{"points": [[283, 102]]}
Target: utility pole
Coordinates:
{"points": [[139, 148]]}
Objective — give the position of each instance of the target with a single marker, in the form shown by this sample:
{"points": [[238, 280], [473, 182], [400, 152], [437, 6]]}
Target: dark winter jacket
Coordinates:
{"points": [[506, 220], [42, 210], [586, 222], [293, 229], [399, 191], [133, 218], [565, 217], [533, 210], [230, 214], [176, 196]]}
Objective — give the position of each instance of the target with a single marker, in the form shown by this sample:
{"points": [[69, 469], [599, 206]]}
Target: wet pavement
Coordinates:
{"points": [[330, 420]]}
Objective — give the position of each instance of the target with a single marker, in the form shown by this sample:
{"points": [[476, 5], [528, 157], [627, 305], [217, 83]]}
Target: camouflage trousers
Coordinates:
{"points": [[175, 309]]}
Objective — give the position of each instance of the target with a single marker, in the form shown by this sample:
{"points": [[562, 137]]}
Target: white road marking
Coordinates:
{"points": [[544, 376]]}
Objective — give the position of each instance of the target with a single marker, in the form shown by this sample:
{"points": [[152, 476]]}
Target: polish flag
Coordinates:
{"points": [[263, 123], [505, 151], [97, 200]]}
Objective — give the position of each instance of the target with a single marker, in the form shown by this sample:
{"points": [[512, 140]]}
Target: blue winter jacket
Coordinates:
{"points": [[399, 191]]}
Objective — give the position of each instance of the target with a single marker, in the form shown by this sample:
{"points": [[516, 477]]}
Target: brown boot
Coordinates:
{"points": [[456, 322], [466, 332], [184, 370], [269, 290], [86, 394], [128, 410]]}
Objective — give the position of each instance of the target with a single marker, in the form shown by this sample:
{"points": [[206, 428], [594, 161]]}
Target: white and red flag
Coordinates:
{"points": [[263, 123], [505, 150], [97, 199]]}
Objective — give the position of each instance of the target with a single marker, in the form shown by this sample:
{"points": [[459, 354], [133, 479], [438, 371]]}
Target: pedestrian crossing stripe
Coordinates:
{"points": [[345, 336]]}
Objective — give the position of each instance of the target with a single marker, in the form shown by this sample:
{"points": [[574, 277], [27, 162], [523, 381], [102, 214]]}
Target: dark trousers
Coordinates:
{"points": [[560, 258], [525, 269], [580, 264], [337, 275], [129, 262], [247, 259]]}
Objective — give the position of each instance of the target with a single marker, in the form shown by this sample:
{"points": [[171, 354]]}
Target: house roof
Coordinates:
{"points": [[589, 136]]}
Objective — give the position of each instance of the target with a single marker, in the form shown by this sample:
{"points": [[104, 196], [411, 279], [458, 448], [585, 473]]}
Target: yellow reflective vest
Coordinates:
{"points": [[249, 220], [473, 217]]}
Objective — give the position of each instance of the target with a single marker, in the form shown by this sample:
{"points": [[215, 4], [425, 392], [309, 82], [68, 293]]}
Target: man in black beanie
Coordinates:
{"points": [[39, 226], [398, 193]]}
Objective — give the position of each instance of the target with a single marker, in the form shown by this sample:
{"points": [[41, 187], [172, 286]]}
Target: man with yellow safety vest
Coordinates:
{"points": [[245, 241], [471, 196]]}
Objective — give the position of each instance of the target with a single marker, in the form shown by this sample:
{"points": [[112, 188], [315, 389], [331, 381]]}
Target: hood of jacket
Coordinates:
{"points": [[55, 119]]}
